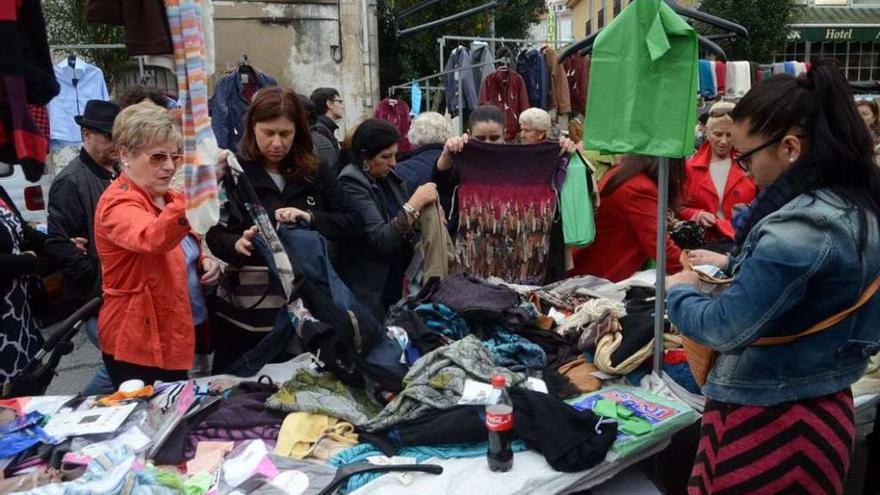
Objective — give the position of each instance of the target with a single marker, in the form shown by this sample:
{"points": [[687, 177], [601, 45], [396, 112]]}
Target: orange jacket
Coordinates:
{"points": [[700, 193], [146, 318]]}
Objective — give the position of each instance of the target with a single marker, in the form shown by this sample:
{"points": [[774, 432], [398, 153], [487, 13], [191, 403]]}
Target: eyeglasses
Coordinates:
{"points": [[337, 100], [159, 158], [744, 161]]}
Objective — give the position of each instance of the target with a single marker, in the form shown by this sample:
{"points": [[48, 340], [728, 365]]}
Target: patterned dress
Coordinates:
{"points": [[20, 339]]}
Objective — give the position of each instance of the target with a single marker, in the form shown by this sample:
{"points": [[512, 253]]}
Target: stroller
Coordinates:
{"points": [[39, 372]]}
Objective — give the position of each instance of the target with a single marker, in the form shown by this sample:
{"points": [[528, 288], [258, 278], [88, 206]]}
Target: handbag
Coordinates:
{"points": [[245, 289], [701, 358]]}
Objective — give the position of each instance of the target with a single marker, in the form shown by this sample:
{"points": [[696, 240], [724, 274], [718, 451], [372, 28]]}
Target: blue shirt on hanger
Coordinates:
{"points": [[71, 101]]}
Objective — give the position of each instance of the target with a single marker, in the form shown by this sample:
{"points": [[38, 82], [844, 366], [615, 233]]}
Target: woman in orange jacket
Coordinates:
{"points": [[152, 266], [714, 184]]}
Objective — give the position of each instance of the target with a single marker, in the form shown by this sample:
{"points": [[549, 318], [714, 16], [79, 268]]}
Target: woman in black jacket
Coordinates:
{"points": [[373, 265], [276, 153], [20, 339]]}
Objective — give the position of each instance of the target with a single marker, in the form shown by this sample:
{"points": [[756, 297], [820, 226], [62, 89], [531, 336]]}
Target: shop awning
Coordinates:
{"points": [[837, 24]]}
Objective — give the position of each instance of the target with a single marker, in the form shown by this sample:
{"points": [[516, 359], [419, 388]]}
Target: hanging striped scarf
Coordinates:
{"points": [[507, 206], [199, 144]]}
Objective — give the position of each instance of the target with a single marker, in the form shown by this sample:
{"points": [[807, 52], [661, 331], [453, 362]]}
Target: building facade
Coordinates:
{"points": [[589, 16], [846, 30]]}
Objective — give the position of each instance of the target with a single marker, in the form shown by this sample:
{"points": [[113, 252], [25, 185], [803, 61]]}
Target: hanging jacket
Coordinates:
{"points": [[144, 22], [397, 112], [700, 193], [457, 60], [721, 77], [506, 90], [626, 232], [560, 97], [146, 318], [481, 54], [78, 85], [26, 50], [530, 65], [229, 104], [73, 199], [577, 73], [707, 79]]}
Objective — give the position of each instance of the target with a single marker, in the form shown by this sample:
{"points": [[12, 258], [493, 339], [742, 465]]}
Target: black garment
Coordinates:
{"points": [[570, 440], [478, 301], [367, 264], [73, 199], [326, 127], [17, 265], [327, 152], [232, 342], [26, 53], [121, 371], [558, 349], [321, 197], [144, 22]]}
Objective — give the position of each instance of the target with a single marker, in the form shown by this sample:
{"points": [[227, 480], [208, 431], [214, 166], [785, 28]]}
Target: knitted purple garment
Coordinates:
{"points": [[506, 209]]}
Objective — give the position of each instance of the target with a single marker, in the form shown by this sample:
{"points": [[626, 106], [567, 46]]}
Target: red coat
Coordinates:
{"points": [[699, 193], [626, 233], [506, 90], [146, 318]]}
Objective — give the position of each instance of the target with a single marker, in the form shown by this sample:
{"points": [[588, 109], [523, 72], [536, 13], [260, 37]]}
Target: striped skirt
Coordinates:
{"points": [[798, 447]]}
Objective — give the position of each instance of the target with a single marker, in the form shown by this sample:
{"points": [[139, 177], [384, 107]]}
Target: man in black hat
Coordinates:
{"points": [[73, 199]]}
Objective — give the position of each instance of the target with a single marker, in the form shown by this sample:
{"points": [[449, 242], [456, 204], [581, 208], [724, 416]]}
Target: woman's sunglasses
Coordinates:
{"points": [[159, 158]]}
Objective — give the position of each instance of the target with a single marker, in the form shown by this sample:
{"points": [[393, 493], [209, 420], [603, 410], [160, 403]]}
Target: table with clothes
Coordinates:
{"points": [[588, 341]]}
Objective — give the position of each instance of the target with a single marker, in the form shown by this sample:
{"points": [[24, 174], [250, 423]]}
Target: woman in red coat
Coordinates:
{"points": [[626, 223], [714, 184]]}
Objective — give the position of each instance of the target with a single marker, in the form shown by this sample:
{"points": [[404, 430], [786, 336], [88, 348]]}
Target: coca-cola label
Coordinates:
{"points": [[499, 422]]}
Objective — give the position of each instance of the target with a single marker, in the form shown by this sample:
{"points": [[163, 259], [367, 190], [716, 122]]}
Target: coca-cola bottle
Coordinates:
{"points": [[499, 422]]}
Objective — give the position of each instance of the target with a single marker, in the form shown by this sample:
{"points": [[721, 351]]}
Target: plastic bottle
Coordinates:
{"points": [[499, 422]]}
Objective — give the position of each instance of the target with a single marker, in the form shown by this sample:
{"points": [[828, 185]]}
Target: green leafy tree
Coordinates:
{"points": [[416, 56], [66, 25], [767, 23]]}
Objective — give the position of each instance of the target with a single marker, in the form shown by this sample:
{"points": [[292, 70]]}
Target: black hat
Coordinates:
{"points": [[98, 115]]}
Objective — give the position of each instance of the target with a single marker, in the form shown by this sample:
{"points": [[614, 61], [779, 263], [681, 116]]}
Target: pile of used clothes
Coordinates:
{"points": [[315, 424]]}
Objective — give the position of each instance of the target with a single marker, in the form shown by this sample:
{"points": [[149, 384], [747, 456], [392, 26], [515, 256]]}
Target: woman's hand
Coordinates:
{"points": [[453, 145], [705, 219], [568, 146], [210, 271], [243, 245], [291, 215], [80, 244], [221, 165], [425, 195], [699, 257], [683, 278]]}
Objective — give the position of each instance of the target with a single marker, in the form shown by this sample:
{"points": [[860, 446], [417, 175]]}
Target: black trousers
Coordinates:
{"points": [[121, 371]]}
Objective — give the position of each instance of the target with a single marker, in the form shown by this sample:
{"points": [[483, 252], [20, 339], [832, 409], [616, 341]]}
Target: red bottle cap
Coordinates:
{"points": [[498, 381]]}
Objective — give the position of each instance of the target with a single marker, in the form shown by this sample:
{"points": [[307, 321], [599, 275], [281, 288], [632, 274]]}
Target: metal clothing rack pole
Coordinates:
{"points": [[660, 294], [86, 47]]}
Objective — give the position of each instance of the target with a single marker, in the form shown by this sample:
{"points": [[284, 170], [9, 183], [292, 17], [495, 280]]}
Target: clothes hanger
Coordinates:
{"points": [[71, 60]]}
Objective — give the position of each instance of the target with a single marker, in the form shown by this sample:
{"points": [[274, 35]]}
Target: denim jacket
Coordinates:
{"points": [[797, 267]]}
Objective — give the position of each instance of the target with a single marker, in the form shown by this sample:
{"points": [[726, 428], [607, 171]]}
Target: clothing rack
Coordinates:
{"points": [[406, 87], [503, 60], [442, 42], [103, 46]]}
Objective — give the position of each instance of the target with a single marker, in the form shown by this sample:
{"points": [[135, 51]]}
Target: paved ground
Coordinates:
{"points": [[76, 368]]}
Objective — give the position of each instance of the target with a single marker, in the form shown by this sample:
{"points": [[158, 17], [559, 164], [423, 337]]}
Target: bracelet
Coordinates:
{"points": [[411, 211]]}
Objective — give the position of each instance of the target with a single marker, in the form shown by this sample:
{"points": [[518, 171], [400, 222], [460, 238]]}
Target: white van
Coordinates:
{"points": [[29, 197]]}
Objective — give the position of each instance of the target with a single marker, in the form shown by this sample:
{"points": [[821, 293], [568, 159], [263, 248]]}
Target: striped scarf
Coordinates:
{"points": [[199, 144]]}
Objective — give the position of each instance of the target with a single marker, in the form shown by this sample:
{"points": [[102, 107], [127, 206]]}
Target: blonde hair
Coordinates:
{"points": [[536, 118], [143, 124], [429, 128], [719, 113]]}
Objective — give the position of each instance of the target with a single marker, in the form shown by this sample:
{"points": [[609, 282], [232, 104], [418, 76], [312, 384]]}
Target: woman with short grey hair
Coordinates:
{"points": [[428, 133], [535, 126]]}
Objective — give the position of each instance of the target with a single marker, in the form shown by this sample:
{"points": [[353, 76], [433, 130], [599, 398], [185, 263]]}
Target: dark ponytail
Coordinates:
{"points": [[840, 152]]}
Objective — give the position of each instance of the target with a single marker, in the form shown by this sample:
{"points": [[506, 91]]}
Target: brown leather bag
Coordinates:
{"points": [[701, 358]]}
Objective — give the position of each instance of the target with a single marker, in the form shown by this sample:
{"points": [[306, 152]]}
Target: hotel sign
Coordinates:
{"points": [[834, 34]]}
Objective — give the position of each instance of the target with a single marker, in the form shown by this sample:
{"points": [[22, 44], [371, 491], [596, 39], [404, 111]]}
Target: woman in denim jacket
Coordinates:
{"points": [[781, 417]]}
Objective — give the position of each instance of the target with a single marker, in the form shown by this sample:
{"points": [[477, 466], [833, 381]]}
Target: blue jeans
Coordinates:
{"points": [[100, 384]]}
